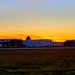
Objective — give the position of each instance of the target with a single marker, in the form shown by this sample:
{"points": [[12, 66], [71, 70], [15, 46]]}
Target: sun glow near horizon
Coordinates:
{"points": [[33, 37], [41, 19]]}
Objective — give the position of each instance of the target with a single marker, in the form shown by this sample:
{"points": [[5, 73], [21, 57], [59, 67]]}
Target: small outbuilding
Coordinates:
{"points": [[58, 44], [69, 43]]}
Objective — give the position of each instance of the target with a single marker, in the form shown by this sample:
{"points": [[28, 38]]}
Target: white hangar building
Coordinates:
{"points": [[38, 43]]}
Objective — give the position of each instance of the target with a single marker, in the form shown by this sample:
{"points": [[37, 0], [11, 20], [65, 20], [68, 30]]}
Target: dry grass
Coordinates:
{"points": [[37, 62]]}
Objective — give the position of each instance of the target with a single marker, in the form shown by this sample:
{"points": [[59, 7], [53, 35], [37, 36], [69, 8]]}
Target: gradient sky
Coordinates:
{"points": [[50, 19]]}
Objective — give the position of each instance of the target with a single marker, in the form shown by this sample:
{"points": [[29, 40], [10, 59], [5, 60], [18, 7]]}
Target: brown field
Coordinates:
{"points": [[37, 62]]}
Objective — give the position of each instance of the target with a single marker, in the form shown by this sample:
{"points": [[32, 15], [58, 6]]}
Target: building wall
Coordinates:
{"points": [[4, 40], [69, 43], [10, 43], [58, 44], [37, 43]]}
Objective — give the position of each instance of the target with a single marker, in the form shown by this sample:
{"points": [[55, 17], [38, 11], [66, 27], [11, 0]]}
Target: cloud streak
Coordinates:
{"points": [[27, 14], [23, 36], [24, 13], [16, 14]]}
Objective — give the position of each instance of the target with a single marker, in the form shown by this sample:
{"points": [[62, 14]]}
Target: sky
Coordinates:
{"points": [[40, 19]]}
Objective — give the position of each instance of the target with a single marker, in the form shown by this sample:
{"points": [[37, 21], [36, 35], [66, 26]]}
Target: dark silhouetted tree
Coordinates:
{"points": [[28, 38]]}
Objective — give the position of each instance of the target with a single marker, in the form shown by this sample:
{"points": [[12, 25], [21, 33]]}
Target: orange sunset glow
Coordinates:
{"points": [[44, 19]]}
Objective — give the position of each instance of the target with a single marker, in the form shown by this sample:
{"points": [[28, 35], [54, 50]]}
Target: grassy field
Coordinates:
{"points": [[37, 62]]}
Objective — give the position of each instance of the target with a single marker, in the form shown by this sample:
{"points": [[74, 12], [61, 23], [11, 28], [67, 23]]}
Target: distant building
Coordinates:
{"points": [[4, 42], [16, 43], [35, 43], [11, 42], [69, 43], [58, 44], [38, 43]]}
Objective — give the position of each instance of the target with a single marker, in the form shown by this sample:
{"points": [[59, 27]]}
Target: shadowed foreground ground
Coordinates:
{"points": [[37, 62]]}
